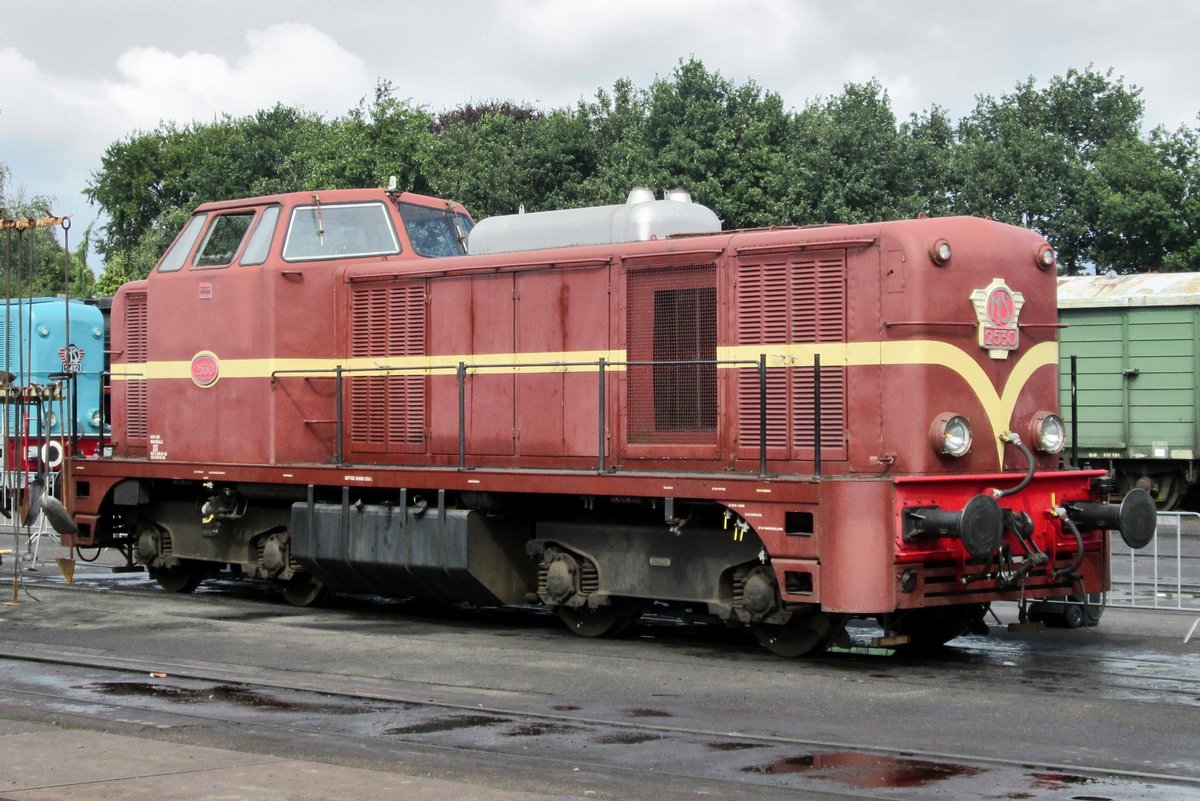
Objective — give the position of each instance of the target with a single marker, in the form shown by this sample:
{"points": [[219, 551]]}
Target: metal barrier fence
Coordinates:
{"points": [[1166, 575]]}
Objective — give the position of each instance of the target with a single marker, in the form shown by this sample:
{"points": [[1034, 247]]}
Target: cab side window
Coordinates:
{"points": [[223, 240], [260, 241], [177, 254]]}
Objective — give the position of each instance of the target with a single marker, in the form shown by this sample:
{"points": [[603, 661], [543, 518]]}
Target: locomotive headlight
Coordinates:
{"points": [[1049, 433], [950, 435]]}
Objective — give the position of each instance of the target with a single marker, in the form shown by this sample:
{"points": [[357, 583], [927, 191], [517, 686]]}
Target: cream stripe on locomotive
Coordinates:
{"points": [[998, 406]]}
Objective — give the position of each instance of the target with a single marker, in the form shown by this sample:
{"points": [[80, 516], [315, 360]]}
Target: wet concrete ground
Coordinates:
{"points": [[506, 701]]}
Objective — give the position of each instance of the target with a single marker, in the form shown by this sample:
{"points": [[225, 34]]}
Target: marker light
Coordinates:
{"points": [[939, 251], [1045, 257]]}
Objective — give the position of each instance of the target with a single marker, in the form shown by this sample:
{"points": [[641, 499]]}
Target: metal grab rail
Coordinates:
{"points": [[461, 370]]}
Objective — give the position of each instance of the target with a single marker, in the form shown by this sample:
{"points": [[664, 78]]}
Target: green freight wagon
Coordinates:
{"points": [[1136, 343]]}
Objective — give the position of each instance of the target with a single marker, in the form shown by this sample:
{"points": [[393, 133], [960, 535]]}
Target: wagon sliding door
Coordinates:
{"points": [[784, 306], [386, 411]]}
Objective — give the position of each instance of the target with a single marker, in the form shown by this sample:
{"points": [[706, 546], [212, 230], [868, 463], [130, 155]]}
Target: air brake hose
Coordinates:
{"points": [[1014, 439], [1069, 569]]}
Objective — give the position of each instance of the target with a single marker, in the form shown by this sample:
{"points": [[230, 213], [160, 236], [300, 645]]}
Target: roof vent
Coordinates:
{"points": [[639, 194]]}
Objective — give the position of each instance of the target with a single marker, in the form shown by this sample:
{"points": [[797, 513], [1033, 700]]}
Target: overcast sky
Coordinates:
{"points": [[77, 75]]}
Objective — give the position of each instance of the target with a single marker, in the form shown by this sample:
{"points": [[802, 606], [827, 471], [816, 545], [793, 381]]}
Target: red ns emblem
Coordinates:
{"points": [[1000, 307], [206, 369], [997, 307]]}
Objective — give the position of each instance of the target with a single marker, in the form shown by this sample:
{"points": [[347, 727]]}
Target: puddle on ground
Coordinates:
{"points": [[646, 713], [1059, 781], [626, 738], [221, 693], [734, 746], [541, 729], [448, 724], [866, 771]]}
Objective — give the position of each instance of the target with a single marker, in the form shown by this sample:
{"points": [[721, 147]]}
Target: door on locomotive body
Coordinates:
{"points": [[329, 291], [559, 319], [406, 333], [471, 320], [207, 305], [669, 396]]}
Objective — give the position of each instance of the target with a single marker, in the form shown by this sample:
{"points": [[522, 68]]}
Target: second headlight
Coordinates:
{"points": [[1049, 434]]}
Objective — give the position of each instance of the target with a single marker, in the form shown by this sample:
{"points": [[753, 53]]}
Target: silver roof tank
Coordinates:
{"points": [[638, 219]]}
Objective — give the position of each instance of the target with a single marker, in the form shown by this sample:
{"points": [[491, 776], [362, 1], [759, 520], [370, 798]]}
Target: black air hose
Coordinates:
{"points": [[1069, 569], [1012, 438]]}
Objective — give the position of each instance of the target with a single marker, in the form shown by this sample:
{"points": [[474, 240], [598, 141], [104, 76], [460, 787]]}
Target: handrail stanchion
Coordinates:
{"points": [[1075, 413], [100, 447], [462, 415], [603, 413], [762, 414], [338, 413], [817, 415]]}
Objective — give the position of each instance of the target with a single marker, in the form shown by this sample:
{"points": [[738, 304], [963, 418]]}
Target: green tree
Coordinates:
{"points": [[1025, 158], [724, 143], [387, 137], [852, 162], [616, 127], [927, 148], [1142, 196], [478, 164], [1066, 159]]}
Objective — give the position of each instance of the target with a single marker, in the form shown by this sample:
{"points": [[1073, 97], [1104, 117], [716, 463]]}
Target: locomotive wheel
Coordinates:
{"points": [[804, 635], [184, 577], [935, 626], [600, 621], [304, 590]]}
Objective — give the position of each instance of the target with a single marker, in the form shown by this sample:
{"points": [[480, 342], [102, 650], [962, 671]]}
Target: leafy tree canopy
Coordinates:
{"points": [[1067, 159]]}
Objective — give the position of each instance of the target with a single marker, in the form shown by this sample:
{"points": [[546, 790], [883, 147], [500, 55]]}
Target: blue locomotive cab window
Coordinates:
{"points": [[436, 232], [339, 231], [260, 241], [177, 254], [223, 240]]}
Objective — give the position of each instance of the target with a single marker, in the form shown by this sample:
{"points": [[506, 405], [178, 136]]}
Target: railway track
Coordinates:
{"points": [[135, 694], [453, 724]]}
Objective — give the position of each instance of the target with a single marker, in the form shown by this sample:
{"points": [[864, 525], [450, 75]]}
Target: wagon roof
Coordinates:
{"points": [[1152, 289]]}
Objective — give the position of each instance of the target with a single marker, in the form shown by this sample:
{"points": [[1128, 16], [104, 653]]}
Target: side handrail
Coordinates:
{"points": [[461, 370]]}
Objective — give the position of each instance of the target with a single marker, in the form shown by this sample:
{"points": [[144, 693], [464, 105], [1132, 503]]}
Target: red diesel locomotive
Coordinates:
{"points": [[601, 410]]}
